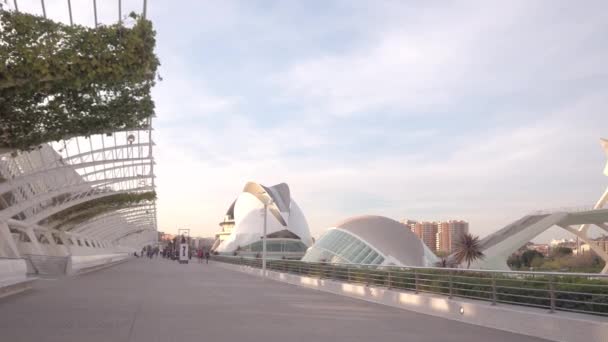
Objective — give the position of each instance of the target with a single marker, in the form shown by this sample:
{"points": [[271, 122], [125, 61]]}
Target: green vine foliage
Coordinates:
{"points": [[70, 217], [59, 81]]}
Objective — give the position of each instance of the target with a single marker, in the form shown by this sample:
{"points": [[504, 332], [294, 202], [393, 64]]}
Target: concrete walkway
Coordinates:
{"points": [[158, 300]]}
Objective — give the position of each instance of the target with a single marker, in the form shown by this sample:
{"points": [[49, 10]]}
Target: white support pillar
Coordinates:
{"points": [[8, 247], [54, 248], [37, 247], [64, 237]]}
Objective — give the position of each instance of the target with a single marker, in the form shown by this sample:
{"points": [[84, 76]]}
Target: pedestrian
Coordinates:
{"points": [[207, 256], [199, 255]]}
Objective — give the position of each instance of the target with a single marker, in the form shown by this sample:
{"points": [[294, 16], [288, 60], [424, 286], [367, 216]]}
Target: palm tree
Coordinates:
{"points": [[468, 249]]}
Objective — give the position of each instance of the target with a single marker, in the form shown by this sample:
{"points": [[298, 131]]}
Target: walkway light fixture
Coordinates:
{"points": [[268, 201]]}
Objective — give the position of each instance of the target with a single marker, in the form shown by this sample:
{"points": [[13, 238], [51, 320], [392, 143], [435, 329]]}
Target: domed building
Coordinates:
{"points": [[242, 229], [371, 240]]}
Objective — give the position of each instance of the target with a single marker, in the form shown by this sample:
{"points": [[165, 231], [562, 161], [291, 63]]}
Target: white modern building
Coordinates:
{"points": [[371, 240], [287, 231]]}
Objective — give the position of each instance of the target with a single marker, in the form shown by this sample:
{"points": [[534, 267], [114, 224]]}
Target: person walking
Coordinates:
{"points": [[199, 255], [207, 257]]}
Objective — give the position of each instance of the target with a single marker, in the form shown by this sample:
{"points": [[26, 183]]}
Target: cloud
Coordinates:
{"points": [[449, 56]]}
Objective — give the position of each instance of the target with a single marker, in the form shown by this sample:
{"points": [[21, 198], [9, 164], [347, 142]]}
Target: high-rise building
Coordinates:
{"points": [[449, 232], [427, 232]]}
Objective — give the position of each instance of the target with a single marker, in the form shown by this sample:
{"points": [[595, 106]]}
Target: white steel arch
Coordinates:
{"points": [[498, 246], [43, 183]]}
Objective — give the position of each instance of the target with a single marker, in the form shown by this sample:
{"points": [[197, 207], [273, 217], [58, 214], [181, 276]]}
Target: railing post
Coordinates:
{"points": [[493, 289], [451, 281], [416, 279], [552, 294]]}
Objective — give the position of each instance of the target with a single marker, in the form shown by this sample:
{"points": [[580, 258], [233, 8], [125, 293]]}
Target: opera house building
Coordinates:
{"points": [[287, 234]]}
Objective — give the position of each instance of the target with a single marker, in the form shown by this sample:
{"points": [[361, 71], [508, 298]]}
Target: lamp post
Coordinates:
{"points": [[264, 239], [266, 204]]}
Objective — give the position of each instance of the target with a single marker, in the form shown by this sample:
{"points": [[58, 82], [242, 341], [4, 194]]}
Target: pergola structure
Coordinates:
{"points": [[87, 195]]}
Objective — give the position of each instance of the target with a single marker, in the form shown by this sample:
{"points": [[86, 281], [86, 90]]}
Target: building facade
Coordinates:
{"points": [[287, 233], [427, 232], [226, 227], [449, 232]]}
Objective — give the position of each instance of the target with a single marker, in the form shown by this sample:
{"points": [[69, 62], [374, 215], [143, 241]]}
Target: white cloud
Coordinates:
{"points": [[450, 55]]}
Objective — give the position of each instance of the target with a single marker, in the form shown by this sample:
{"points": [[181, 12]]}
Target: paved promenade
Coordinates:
{"points": [[159, 300]]}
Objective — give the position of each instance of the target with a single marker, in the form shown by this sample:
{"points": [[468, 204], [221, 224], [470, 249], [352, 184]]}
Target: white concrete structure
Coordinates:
{"points": [[287, 229], [498, 246], [371, 240]]}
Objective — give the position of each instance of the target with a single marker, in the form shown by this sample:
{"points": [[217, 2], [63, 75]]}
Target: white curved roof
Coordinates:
{"points": [[391, 238]]}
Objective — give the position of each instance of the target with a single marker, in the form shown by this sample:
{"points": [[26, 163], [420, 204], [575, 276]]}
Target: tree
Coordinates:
{"points": [[468, 249], [514, 261], [529, 255], [561, 251]]}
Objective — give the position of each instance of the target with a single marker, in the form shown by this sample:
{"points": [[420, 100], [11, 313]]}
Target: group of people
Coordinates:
{"points": [[173, 254], [200, 253], [148, 251]]}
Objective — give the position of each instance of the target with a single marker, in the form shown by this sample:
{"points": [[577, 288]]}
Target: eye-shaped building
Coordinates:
{"points": [[371, 240]]}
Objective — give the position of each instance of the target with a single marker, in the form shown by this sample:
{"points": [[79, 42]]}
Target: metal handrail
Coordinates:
{"points": [[550, 290], [573, 209], [11, 258]]}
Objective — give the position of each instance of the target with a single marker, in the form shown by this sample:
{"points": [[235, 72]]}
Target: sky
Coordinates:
{"points": [[429, 110]]}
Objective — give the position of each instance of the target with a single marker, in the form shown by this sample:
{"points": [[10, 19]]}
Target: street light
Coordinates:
{"points": [[266, 204]]}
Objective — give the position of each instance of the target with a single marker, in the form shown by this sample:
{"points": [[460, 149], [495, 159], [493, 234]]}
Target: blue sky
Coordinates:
{"points": [[474, 110]]}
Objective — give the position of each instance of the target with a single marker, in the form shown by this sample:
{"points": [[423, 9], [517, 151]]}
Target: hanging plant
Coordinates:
{"points": [[82, 212], [59, 81]]}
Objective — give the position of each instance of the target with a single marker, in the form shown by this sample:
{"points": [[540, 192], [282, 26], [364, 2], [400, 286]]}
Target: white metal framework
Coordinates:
{"points": [[38, 186]]}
